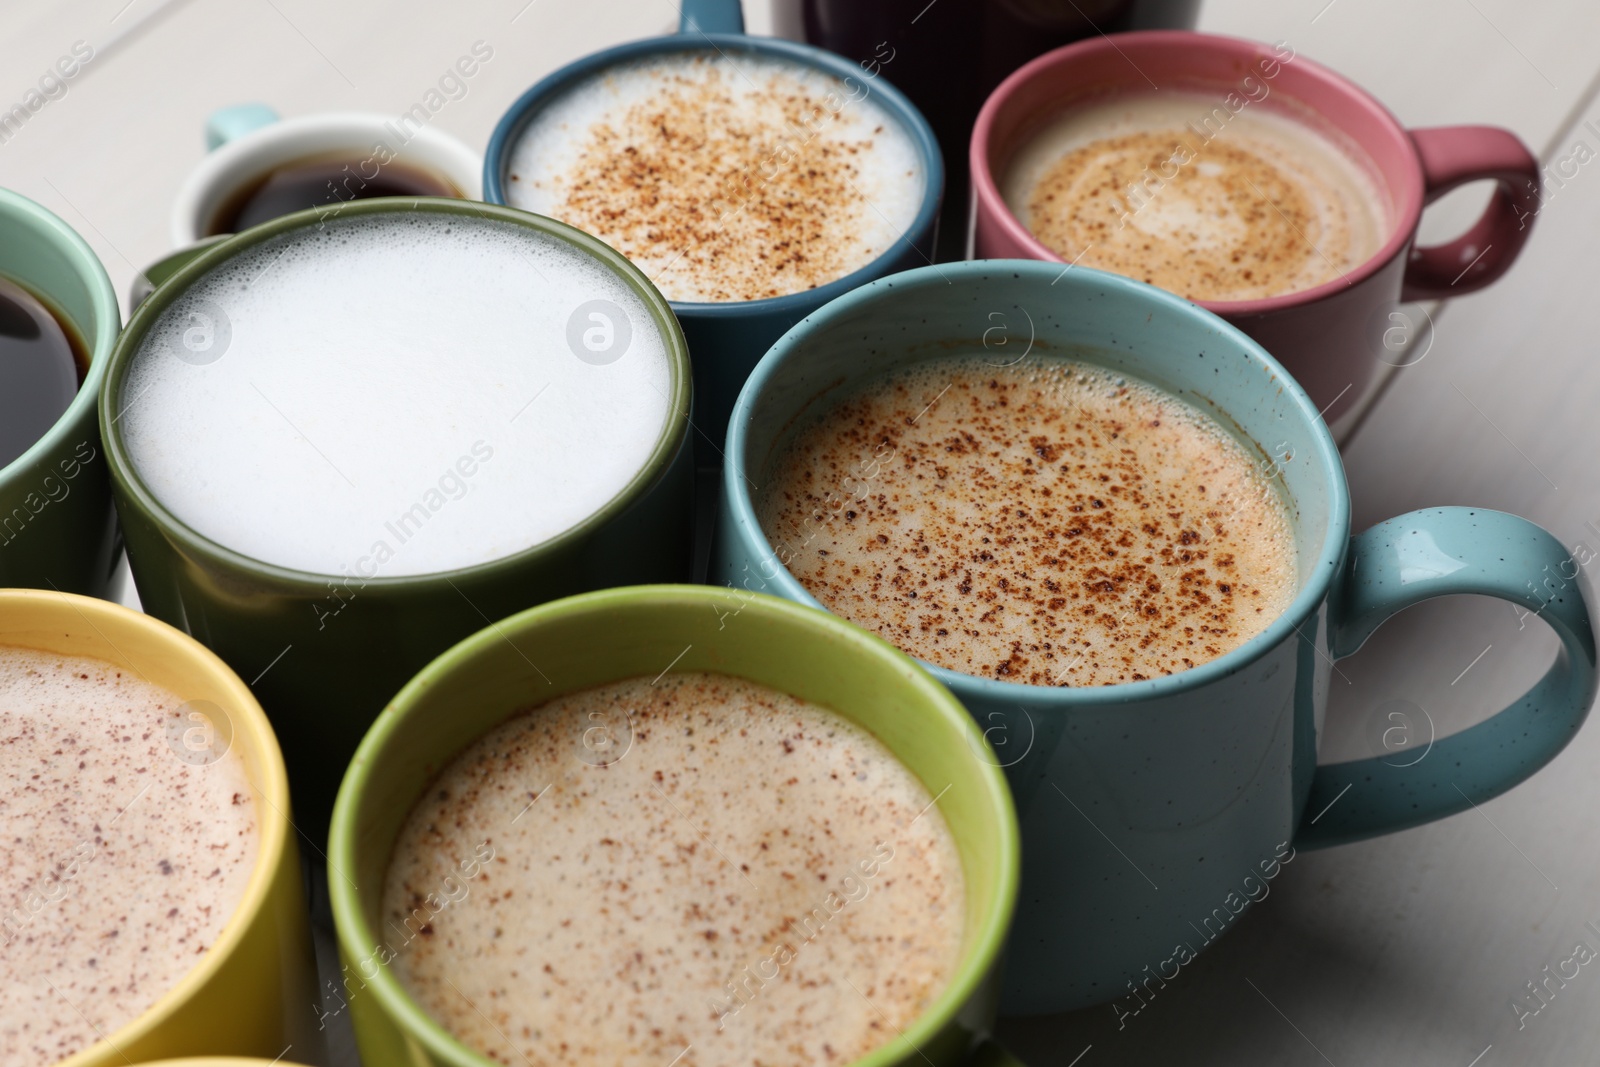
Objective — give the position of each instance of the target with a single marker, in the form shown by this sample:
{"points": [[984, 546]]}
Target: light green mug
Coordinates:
{"points": [[615, 634], [57, 527]]}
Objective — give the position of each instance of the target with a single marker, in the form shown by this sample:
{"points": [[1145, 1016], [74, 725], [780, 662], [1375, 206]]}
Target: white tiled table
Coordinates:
{"points": [[1404, 950]]}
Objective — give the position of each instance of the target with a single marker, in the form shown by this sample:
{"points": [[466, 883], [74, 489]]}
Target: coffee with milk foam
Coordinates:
{"points": [[725, 177], [122, 856], [396, 394], [1175, 190]]}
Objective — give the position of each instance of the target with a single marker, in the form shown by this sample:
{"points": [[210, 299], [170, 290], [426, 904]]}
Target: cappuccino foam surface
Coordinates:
{"points": [[120, 863], [1176, 190], [744, 860], [398, 394], [1049, 522], [725, 177]]}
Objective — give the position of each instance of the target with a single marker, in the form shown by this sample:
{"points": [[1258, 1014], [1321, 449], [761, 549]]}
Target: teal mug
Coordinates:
{"points": [[727, 339], [57, 527], [1154, 811], [617, 634]]}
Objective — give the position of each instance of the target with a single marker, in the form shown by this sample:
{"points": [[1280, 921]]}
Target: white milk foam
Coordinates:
{"points": [[725, 177], [120, 862], [398, 396], [1173, 188]]}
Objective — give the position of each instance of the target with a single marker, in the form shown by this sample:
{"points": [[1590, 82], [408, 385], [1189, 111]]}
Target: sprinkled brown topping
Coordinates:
{"points": [[728, 182], [1047, 523], [120, 863], [740, 861]]}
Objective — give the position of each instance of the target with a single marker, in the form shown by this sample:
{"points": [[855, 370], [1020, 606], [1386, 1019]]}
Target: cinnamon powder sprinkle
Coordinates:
{"points": [[733, 182], [1049, 523]]}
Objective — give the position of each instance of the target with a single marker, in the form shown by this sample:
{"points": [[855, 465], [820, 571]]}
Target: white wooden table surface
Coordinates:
{"points": [[1405, 950]]}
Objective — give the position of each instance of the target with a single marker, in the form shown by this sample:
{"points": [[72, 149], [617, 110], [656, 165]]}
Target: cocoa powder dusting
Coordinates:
{"points": [[727, 183], [1049, 523]]}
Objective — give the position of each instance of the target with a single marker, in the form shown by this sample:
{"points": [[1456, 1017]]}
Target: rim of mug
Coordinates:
{"points": [[1316, 574], [15, 210], [496, 159], [33, 608], [125, 476], [195, 195], [355, 936], [1407, 201]]}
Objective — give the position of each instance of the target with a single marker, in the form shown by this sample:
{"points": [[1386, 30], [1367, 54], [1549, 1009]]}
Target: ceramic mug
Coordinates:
{"points": [[335, 678], [248, 994], [57, 527], [726, 339], [246, 142], [949, 57], [1149, 809], [615, 634], [1333, 336]]}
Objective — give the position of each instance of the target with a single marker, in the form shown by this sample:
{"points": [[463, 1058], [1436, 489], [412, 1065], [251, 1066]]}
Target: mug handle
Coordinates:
{"points": [[231, 123], [1437, 552], [711, 16], [989, 1053], [1452, 156]]}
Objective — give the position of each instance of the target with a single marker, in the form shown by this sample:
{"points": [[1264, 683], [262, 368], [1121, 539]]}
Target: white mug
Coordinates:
{"points": [[249, 140]]}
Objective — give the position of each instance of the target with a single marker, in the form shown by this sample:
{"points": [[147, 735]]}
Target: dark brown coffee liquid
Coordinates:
{"points": [[322, 180], [42, 363]]}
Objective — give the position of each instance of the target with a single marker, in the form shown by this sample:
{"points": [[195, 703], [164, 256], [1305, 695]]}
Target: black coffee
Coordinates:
{"points": [[322, 180], [42, 363]]}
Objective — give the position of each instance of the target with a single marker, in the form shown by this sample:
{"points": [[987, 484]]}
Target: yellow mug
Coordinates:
{"points": [[252, 991]]}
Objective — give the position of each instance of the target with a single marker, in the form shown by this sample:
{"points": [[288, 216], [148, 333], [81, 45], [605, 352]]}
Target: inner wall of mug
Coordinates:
{"points": [[1301, 90], [497, 160], [83, 626], [47, 256], [612, 635], [1081, 314]]}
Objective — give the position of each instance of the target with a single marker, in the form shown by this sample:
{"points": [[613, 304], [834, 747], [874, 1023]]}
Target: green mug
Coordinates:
{"points": [[336, 673], [57, 527], [616, 634]]}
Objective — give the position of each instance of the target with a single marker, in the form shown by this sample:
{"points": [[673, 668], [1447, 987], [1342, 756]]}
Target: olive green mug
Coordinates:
{"points": [[321, 679], [57, 529], [616, 634]]}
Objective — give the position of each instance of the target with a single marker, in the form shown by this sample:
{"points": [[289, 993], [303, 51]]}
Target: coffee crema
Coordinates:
{"points": [[120, 862], [1048, 522], [742, 861], [1175, 190], [726, 178], [396, 394]]}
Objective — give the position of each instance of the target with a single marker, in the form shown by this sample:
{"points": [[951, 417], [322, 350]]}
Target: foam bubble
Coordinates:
{"points": [[397, 394], [725, 177]]}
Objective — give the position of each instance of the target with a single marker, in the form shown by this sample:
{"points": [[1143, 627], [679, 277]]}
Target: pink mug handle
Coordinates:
{"points": [[1452, 156]]}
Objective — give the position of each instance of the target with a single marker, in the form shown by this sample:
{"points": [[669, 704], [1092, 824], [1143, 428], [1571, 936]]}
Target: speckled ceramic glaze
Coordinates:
{"points": [[727, 339], [1152, 812]]}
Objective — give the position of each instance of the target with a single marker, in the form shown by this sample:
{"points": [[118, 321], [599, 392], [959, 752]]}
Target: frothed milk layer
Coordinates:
{"points": [[394, 395], [1049, 523], [1177, 190], [742, 860], [725, 177], [120, 862]]}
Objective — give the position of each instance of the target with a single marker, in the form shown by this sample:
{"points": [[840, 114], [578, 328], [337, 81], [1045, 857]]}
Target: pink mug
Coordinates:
{"points": [[1330, 337]]}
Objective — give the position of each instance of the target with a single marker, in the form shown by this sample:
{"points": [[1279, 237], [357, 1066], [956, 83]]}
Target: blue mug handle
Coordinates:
{"points": [[711, 16], [1438, 552], [231, 123]]}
